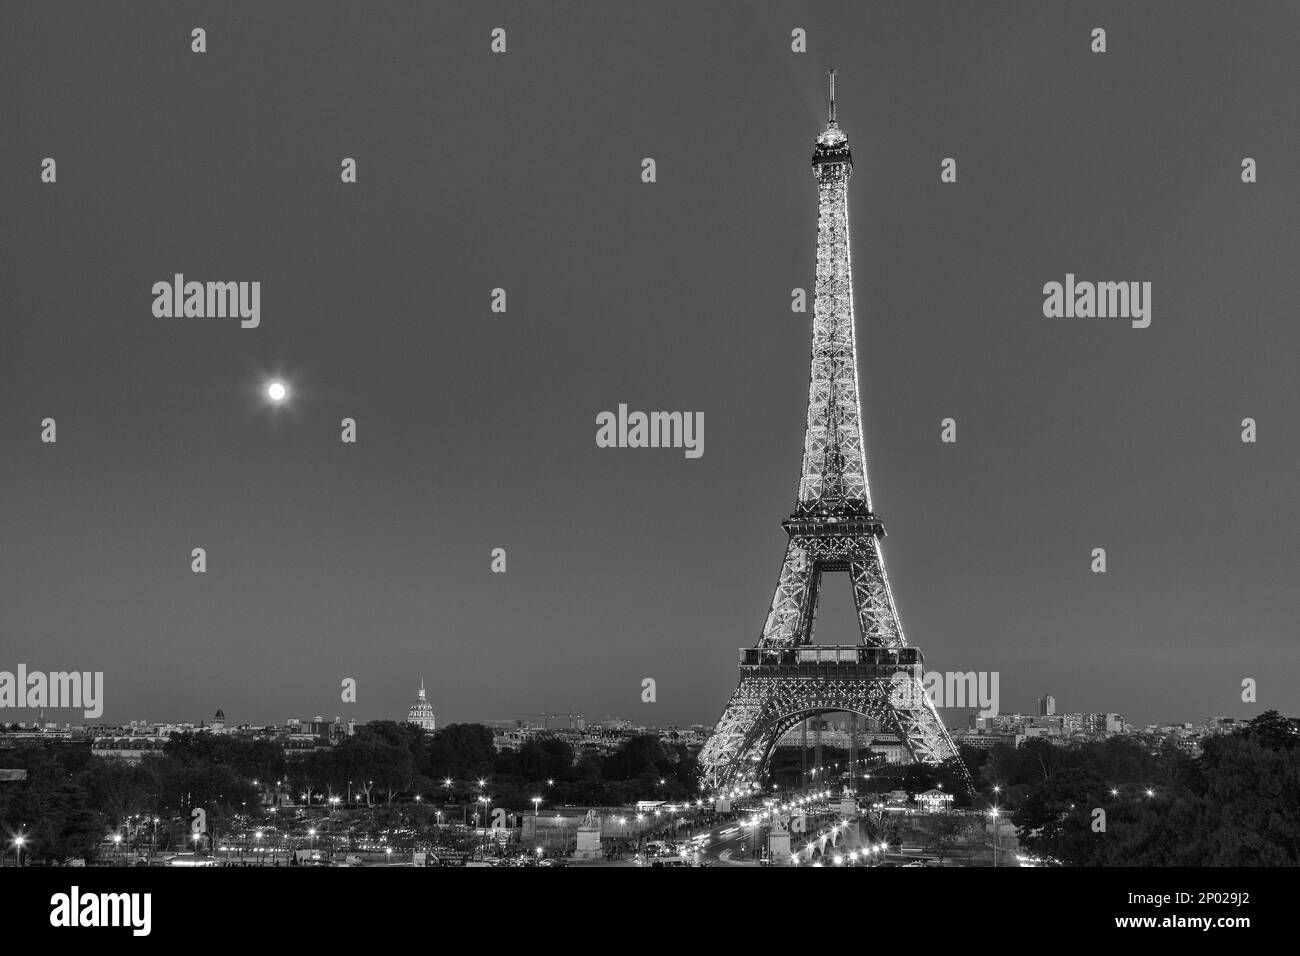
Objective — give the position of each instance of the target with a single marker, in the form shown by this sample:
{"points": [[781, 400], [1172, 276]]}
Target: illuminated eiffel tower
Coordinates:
{"points": [[786, 678]]}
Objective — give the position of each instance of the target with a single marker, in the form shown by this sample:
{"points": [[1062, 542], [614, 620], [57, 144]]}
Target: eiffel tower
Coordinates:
{"points": [[786, 678]]}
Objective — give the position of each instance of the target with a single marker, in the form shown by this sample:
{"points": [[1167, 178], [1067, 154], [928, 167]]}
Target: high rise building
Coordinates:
{"points": [[1046, 705]]}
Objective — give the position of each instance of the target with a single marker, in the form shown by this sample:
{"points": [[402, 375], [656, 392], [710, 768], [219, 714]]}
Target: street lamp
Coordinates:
{"points": [[482, 837], [18, 848], [997, 835]]}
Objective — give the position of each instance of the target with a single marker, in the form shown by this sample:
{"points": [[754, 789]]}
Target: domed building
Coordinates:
{"points": [[421, 713]]}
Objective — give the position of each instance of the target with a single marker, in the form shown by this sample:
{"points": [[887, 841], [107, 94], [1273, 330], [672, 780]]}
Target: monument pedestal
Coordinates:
{"points": [[588, 846], [778, 847]]}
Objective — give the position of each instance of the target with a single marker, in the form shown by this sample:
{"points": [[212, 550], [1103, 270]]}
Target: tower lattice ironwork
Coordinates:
{"points": [[786, 678]]}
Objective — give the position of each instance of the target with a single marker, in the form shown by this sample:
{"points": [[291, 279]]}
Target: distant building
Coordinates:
{"points": [[421, 713], [843, 734], [891, 748], [130, 748], [1056, 727], [219, 720], [987, 739], [933, 800], [1222, 725], [1046, 705], [512, 738], [1094, 725]]}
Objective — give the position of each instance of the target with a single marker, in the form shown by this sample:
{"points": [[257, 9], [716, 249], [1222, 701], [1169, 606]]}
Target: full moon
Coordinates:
{"points": [[276, 391]]}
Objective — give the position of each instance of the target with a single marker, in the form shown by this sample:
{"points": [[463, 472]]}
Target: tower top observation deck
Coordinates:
{"points": [[832, 146]]}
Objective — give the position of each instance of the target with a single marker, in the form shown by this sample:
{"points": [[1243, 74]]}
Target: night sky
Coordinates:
{"points": [[477, 430]]}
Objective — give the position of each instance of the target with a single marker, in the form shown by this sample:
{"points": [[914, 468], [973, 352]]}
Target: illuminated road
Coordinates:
{"points": [[728, 844]]}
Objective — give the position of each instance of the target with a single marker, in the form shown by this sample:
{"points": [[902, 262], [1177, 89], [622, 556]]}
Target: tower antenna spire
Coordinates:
{"points": [[832, 79]]}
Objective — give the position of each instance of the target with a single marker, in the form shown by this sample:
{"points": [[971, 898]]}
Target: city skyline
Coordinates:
{"points": [[962, 715]]}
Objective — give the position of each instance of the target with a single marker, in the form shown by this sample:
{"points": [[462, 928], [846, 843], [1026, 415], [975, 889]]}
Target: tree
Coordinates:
{"points": [[946, 832], [1237, 805], [461, 751], [1273, 730], [546, 759]]}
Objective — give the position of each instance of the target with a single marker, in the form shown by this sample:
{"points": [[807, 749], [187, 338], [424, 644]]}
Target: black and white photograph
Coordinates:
{"points": [[360, 514]]}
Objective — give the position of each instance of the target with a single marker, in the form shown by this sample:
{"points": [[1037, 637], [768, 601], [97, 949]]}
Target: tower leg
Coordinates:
{"points": [[789, 620], [803, 754], [817, 758], [853, 752], [917, 725], [877, 617]]}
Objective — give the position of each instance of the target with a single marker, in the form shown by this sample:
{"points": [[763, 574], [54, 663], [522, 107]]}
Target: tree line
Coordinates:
{"points": [[72, 800]]}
